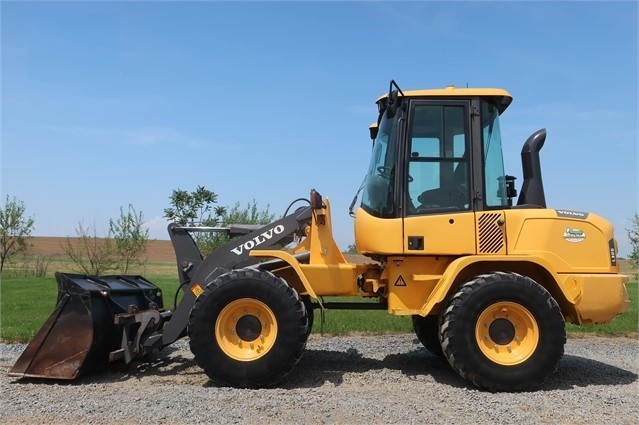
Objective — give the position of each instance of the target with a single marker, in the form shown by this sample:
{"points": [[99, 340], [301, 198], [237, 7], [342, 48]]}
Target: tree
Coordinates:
{"points": [[197, 208], [235, 215], [14, 229], [131, 239], [352, 249], [91, 255], [633, 236], [193, 208]]}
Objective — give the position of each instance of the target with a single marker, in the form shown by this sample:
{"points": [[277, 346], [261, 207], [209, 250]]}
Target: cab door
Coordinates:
{"points": [[438, 217]]}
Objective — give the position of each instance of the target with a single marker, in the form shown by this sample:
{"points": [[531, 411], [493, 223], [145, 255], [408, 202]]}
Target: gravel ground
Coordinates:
{"points": [[340, 380]]}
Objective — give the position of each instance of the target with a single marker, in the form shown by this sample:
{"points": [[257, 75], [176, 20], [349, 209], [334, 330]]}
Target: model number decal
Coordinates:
{"points": [[258, 240]]}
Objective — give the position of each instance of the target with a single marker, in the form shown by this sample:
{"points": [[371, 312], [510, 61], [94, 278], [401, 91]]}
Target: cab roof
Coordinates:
{"points": [[500, 97]]}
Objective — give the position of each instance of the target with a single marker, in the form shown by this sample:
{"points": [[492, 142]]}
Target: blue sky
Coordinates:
{"points": [[106, 104]]}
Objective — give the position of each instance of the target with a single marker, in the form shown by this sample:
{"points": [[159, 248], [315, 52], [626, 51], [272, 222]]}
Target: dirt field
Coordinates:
{"points": [[158, 251]]}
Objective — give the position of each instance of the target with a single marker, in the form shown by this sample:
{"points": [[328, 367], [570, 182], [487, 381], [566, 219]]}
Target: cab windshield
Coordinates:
{"points": [[377, 198], [494, 176]]}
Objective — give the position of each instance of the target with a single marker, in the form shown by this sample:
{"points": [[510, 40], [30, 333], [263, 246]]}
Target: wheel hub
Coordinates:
{"points": [[248, 328], [502, 331]]}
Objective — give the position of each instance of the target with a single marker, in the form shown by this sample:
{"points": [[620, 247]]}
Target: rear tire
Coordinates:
{"points": [[427, 330], [503, 332], [248, 329]]}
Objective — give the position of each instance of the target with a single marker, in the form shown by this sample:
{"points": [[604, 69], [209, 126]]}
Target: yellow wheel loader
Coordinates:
{"points": [[488, 282]]}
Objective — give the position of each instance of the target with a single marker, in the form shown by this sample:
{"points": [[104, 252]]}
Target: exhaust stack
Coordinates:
{"points": [[532, 190]]}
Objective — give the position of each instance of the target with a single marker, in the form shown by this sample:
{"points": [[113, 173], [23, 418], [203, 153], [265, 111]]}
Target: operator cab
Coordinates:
{"points": [[426, 153], [436, 167]]}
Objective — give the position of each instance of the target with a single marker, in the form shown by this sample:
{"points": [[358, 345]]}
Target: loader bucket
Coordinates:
{"points": [[80, 333]]}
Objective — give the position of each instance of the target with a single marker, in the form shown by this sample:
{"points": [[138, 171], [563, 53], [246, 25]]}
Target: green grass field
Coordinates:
{"points": [[26, 303]]}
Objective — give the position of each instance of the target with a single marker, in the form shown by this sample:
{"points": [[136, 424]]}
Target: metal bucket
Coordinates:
{"points": [[81, 332]]}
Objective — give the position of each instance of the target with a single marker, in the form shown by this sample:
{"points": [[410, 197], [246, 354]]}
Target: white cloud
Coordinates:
{"points": [[157, 228]]}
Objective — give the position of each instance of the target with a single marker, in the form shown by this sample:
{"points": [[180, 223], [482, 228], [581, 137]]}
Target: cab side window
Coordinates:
{"points": [[438, 166]]}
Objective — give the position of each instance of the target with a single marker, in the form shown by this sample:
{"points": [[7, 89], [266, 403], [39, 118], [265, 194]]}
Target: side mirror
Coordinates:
{"points": [[394, 100], [392, 104], [373, 130], [507, 183]]}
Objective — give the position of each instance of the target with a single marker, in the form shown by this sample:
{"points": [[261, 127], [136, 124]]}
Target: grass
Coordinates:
{"points": [[342, 322], [26, 303]]}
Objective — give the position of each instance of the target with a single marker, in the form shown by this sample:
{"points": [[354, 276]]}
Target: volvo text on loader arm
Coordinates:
{"points": [[488, 282]]}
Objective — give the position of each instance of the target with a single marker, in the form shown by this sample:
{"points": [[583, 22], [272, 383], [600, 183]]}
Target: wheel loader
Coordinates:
{"points": [[488, 276]]}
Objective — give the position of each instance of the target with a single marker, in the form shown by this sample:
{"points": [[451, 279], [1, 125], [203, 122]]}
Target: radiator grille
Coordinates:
{"points": [[491, 236]]}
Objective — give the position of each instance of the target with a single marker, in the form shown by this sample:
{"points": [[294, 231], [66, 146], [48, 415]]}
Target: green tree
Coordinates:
{"points": [[193, 208], [252, 214], [352, 249], [131, 238], [198, 208], [15, 227], [633, 236], [90, 254]]}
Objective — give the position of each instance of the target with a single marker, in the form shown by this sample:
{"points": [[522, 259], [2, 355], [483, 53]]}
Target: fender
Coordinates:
{"points": [[442, 288], [292, 261]]}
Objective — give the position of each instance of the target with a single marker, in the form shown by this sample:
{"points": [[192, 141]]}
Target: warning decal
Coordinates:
{"points": [[400, 281], [197, 290]]}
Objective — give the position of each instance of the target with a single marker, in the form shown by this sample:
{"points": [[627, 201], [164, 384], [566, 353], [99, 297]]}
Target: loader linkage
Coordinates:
{"points": [[102, 319]]}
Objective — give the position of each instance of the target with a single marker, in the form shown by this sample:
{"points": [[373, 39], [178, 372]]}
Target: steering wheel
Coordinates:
{"points": [[385, 172]]}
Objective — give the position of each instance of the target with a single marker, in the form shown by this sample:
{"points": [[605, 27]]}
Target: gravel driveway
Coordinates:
{"points": [[340, 380]]}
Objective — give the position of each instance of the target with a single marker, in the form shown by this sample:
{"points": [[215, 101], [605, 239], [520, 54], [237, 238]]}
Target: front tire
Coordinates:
{"points": [[503, 332], [248, 329]]}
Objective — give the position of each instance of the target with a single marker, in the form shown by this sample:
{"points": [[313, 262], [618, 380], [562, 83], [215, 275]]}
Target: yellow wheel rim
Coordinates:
{"points": [[507, 333], [246, 329]]}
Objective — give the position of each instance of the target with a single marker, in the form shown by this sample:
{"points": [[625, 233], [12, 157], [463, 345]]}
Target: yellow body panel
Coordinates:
{"points": [[409, 289], [571, 255], [571, 245], [444, 234], [601, 296], [332, 279], [375, 235]]}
